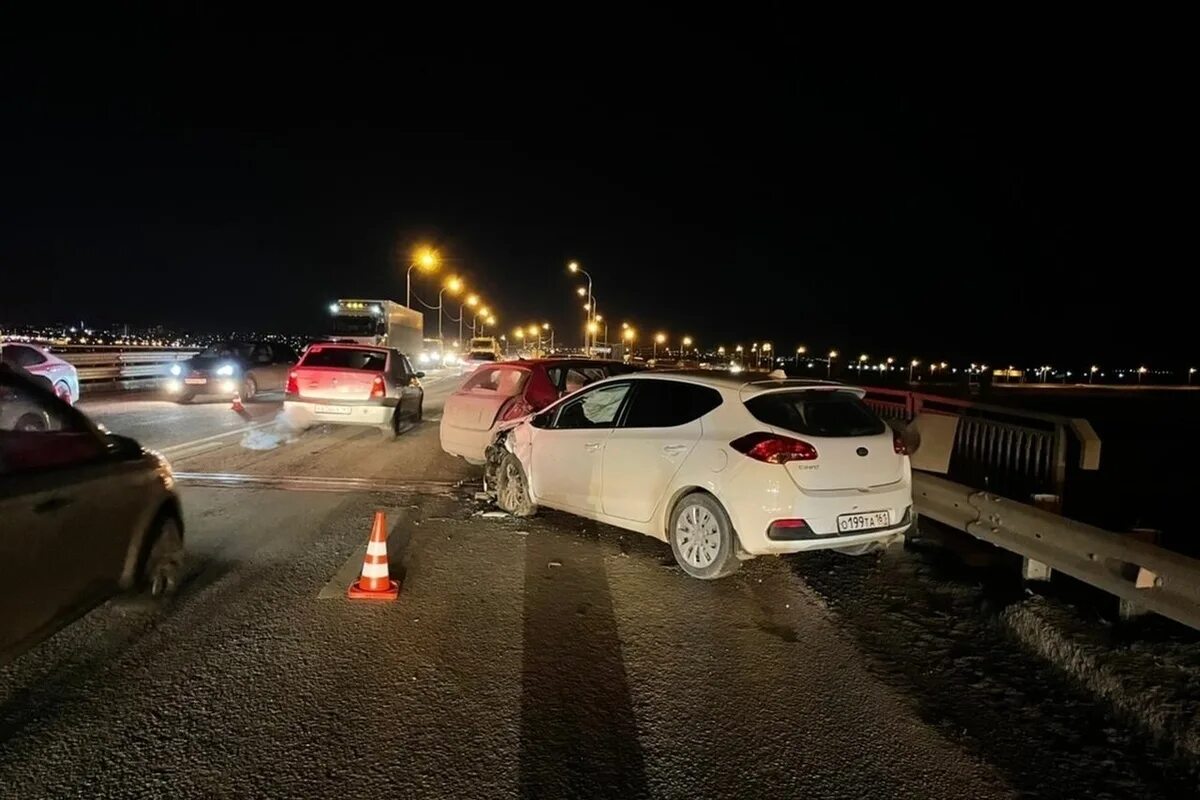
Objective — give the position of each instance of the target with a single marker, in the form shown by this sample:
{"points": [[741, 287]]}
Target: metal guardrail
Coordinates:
{"points": [[1142, 575], [1012, 452], [120, 364]]}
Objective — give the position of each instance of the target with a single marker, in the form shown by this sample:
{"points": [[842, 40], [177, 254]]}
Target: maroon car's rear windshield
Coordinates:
{"points": [[344, 358]]}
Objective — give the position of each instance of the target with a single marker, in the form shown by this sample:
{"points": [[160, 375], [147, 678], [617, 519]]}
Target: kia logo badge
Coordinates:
{"points": [[862, 451]]}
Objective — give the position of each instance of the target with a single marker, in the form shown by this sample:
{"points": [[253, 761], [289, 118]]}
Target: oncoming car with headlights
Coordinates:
{"points": [[232, 368]]}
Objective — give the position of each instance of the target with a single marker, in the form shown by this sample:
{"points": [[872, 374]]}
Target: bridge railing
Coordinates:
{"points": [[129, 366], [1012, 452]]}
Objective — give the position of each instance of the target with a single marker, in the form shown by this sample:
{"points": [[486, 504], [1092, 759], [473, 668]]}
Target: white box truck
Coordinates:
{"points": [[379, 322]]}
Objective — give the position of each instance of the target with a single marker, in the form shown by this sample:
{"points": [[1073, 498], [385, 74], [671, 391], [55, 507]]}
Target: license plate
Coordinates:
{"points": [[339, 410], [196, 381], [848, 523]]}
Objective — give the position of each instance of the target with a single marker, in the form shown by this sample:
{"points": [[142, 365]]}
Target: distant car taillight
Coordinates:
{"points": [[377, 388], [898, 444], [292, 386], [514, 408], [772, 448]]}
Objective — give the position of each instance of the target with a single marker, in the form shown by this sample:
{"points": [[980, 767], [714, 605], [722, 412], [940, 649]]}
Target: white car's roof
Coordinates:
{"points": [[745, 383]]}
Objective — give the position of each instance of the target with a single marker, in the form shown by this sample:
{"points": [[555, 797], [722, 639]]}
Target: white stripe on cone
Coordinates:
{"points": [[377, 548], [375, 570]]}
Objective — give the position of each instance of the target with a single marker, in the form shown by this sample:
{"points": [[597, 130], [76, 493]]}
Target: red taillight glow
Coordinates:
{"points": [[377, 388], [774, 449], [513, 408], [898, 444], [292, 386]]}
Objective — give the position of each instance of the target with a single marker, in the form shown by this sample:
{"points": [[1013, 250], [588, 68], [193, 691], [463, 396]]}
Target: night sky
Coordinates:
{"points": [[1003, 209]]}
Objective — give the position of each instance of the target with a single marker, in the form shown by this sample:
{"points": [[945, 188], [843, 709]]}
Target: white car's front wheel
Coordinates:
{"points": [[702, 538], [512, 488]]}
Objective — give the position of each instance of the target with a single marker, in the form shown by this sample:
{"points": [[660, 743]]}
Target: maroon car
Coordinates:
{"points": [[509, 390]]}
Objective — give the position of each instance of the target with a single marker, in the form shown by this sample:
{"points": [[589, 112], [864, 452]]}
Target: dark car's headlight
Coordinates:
{"points": [[176, 370]]}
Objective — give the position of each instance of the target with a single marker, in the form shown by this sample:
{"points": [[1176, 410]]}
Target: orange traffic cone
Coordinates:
{"points": [[374, 583], [237, 404]]}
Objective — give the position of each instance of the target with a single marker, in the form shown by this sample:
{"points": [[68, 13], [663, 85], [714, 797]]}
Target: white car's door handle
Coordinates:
{"points": [[591, 447], [674, 449]]}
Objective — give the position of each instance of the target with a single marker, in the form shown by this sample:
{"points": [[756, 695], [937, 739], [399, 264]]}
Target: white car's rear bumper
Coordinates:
{"points": [[757, 496], [304, 415]]}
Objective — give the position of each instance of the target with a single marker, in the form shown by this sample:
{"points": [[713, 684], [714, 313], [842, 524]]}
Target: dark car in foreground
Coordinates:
{"points": [[83, 513], [232, 368]]}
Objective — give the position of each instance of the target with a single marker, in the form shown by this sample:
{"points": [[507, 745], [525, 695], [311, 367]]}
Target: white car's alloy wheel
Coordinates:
{"points": [[702, 537], [698, 535]]}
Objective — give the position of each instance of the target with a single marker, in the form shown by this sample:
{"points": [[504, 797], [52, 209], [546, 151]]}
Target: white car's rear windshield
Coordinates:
{"points": [[501, 380], [816, 413], [345, 358]]}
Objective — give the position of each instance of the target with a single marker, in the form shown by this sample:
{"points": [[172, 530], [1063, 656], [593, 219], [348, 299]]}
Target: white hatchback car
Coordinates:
{"points": [[60, 376], [723, 467]]}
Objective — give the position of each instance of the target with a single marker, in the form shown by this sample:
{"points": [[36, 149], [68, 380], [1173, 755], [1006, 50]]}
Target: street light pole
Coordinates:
{"points": [[574, 267], [829, 364], [453, 285], [425, 259]]}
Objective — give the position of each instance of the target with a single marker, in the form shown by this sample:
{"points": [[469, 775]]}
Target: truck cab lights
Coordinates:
{"points": [[355, 305]]}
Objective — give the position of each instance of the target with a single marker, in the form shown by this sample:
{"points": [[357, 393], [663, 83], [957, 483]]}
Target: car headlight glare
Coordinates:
{"points": [[176, 369], [225, 369]]}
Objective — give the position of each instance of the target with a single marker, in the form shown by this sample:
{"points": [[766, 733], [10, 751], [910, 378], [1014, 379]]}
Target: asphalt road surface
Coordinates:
{"points": [[538, 658]]}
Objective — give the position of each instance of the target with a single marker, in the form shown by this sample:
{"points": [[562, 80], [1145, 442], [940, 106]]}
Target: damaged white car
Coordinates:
{"points": [[723, 467]]}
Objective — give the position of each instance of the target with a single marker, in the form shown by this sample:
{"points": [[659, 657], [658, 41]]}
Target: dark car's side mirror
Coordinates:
{"points": [[542, 420], [419, 374]]}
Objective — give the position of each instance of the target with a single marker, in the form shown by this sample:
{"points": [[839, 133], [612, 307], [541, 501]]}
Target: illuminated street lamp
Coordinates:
{"points": [[829, 364], [1141, 371], [687, 342], [659, 338], [453, 285], [1092, 371], [1191, 372], [911, 366], [427, 259], [800, 350]]}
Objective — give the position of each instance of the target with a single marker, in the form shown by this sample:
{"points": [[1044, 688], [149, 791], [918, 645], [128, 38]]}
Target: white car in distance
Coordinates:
{"points": [[60, 376], [722, 467]]}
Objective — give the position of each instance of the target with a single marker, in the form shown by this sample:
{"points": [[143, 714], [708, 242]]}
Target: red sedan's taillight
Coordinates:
{"points": [[898, 444], [772, 448], [378, 391], [513, 408], [292, 386]]}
